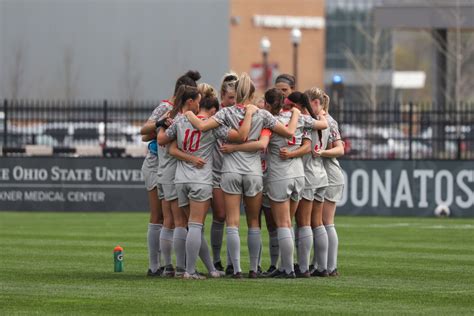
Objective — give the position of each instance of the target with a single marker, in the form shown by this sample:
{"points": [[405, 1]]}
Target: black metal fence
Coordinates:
{"points": [[408, 131]]}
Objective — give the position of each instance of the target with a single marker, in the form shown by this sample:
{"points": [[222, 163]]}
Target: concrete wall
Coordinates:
{"points": [[109, 49]]}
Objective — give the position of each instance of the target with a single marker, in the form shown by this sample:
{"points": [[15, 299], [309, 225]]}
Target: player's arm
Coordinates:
{"points": [[304, 149], [148, 137], [166, 136], [181, 155], [252, 146], [336, 150], [320, 123], [199, 124], [288, 131], [148, 128]]}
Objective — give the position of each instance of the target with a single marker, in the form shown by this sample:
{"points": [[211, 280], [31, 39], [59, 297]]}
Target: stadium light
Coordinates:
{"points": [[295, 40], [265, 46]]}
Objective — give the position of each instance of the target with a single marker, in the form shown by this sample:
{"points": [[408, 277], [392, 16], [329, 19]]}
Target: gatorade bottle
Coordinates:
{"points": [[118, 259]]}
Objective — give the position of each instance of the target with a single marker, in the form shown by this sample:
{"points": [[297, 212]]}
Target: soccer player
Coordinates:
{"points": [[242, 172], [335, 148], [285, 180], [169, 236], [316, 184], [149, 171], [285, 83], [227, 95], [314, 178]]}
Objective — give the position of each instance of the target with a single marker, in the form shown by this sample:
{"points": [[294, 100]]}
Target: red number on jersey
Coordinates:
{"points": [[293, 140], [264, 165], [316, 147], [191, 142]]}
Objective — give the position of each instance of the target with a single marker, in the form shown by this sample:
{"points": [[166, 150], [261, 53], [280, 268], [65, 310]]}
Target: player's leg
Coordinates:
{"points": [[282, 218], [154, 230], [320, 259], [272, 235], [166, 237], [253, 186], [180, 235], [305, 236], [198, 211], [332, 195], [217, 228]]}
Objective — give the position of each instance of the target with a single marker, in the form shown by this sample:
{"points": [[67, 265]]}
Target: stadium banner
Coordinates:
{"points": [[407, 188], [72, 184], [393, 188]]}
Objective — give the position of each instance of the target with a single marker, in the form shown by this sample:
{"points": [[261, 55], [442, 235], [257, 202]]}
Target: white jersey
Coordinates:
{"points": [[314, 171], [167, 163], [280, 169], [152, 157], [240, 162], [195, 143], [333, 169]]}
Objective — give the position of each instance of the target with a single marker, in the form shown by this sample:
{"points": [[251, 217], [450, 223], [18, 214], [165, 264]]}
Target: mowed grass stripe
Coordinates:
{"points": [[56, 263]]}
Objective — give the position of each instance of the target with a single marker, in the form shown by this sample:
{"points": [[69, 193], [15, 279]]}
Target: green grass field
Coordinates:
{"points": [[58, 263]]}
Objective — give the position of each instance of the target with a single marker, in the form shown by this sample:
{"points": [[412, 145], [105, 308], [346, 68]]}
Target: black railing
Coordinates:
{"points": [[410, 131]]}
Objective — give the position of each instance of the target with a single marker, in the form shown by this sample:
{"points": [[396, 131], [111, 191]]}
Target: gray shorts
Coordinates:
{"points": [[312, 194], [193, 191], [334, 193], [283, 190], [235, 183], [150, 172], [216, 179], [167, 192]]}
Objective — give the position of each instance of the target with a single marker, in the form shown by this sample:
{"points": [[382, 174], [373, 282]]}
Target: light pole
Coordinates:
{"points": [[295, 40], [265, 45]]}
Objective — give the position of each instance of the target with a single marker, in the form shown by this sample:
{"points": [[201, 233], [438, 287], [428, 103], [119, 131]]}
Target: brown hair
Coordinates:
{"points": [[183, 94], [286, 78], [316, 93], [302, 99], [188, 79], [206, 90], [274, 98]]}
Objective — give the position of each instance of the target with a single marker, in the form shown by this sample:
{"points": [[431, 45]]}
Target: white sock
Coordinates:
{"points": [[179, 245], [233, 244], [286, 243], [305, 243], [254, 242], [204, 253], [193, 245], [166, 244], [320, 259], [154, 253], [333, 244]]}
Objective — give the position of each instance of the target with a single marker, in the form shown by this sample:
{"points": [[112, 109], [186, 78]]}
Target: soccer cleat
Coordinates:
{"points": [[275, 273], [180, 272], [303, 274], [193, 276], [334, 273], [311, 268], [154, 274], [270, 270], [237, 275], [259, 270], [284, 275], [168, 271], [229, 270], [321, 274], [218, 266], [296, 268], [216, 274], [253, 275]]}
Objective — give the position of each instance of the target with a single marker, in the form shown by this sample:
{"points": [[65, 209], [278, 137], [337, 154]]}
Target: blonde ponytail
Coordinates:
{"points": [[244, 89]]}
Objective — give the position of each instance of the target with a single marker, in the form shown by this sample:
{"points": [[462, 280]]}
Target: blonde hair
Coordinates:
{"points": [[206, 90], [316, 93], [244, 89], [228, 82]]}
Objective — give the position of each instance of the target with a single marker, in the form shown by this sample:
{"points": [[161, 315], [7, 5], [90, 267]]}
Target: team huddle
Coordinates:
{"points": [[210, 150]]}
